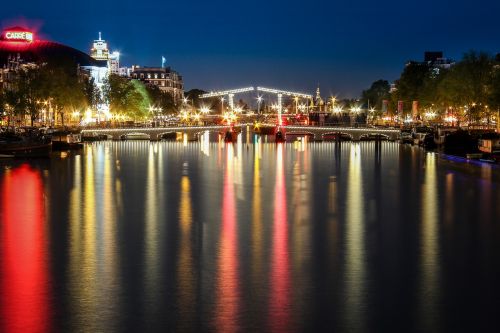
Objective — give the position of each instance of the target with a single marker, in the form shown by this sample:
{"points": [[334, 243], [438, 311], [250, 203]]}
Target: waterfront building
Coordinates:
{"points": [[165, 78], [100, 51], [20, 48]]}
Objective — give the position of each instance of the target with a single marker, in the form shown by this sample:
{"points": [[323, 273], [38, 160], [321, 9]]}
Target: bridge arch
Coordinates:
{"points": [[373, 136], [300, 133], [343, 135], [135, 136]]}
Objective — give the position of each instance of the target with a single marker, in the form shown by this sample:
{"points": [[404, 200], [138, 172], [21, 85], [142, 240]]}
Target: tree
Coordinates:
{"points": [[469, 83], [378, 92], [92, 93], [411, 86], [193, 95], [65, 90], [161, 99], [129, 98]]}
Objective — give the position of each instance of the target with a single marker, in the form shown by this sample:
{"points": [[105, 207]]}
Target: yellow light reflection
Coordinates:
{"points": [[355, 246], [185, 272], [429, 291]]}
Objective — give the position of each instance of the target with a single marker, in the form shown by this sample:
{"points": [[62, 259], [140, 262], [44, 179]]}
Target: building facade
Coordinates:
{"points": [[166, 79]]}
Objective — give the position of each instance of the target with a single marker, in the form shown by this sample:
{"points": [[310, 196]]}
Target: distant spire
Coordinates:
{"points": [[100, 35]]}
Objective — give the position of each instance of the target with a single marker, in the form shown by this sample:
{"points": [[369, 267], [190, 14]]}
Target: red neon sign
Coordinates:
{"points": [[25, 36]]}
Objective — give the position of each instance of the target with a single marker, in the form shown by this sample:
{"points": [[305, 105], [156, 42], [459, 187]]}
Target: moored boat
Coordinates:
{"points": [[16, 145]]}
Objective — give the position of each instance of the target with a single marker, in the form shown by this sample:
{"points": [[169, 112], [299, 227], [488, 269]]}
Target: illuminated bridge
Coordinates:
{"points": [[354, 133], [154, 133], [192, 132]]}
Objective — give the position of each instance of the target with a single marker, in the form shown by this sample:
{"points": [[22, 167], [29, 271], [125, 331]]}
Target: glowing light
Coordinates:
{"points": [[205, 110], [430, 115], [19, 36], [24, 286], [338, 109], [284, 92], [355, 108], [226, 92]]}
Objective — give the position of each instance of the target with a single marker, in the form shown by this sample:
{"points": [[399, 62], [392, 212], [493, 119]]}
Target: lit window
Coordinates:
{"points": [[149, 76]]}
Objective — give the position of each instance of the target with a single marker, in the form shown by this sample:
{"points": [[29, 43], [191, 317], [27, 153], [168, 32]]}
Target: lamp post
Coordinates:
{"points": [[259, 101]]}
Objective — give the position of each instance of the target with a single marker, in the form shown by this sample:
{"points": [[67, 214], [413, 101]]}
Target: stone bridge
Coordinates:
{"points": [[154, 133], [354, 133]]}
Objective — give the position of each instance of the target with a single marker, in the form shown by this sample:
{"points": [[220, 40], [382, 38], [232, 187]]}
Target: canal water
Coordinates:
{"points": [[260, 237]]}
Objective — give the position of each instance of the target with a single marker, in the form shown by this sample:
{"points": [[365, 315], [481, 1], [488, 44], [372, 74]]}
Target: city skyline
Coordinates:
{"points": [[340, 47]]}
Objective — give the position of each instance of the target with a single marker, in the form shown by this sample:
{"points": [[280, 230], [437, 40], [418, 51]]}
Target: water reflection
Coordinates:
{"points": [[429, 291], [227, 284], [229, 237], [186, 294], [94, 285], [355, 246], [279, 296], [152, 220], [24, 293]]}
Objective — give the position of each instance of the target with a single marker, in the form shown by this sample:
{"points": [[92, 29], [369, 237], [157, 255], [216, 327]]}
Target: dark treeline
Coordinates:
{"points": [[469, 89]]}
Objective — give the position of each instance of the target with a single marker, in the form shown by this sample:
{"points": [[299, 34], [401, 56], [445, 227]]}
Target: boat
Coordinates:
{"points": [[28, 145], [460, 143], [442, 133], [93, 136], [279, 136], [489, 143], [65, 140], [405, 137], [229, 136]]}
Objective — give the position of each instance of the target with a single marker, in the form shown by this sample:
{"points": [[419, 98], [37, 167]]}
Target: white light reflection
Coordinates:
{"points": [[429, 291], [355, 247]]}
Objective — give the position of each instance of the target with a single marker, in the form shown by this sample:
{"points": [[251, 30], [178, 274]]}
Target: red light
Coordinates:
{"points": [[24, 36], [24, 305]]}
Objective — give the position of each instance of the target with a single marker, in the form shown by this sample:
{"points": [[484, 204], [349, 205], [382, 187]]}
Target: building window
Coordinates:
{"points": [[163, 76], [142, 76], [149, 76]]}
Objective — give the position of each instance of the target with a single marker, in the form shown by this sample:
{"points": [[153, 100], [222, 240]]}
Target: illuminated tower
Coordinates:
{"points": [[319, 101], [99, 49]]}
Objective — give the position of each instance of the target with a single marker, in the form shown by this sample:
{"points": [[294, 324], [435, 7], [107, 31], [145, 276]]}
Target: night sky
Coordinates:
{"points": [[341, 45]]}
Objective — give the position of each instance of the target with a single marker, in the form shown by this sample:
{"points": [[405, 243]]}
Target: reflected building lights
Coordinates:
{"points": [[429, 291], [279, 294], [227, 281], [355, 270], [186, 295], [24, 271], [151, 237]]}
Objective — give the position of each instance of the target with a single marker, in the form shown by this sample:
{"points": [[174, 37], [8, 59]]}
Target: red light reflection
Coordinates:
{"points": [[279, 301], [24, 278], [227, 292]]}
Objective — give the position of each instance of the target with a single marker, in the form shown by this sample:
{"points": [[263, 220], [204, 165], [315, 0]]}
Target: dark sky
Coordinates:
{"points": [[341, 45]]}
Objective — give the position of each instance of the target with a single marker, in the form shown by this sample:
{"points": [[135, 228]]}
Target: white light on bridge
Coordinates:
{"points": [[226, 92]]}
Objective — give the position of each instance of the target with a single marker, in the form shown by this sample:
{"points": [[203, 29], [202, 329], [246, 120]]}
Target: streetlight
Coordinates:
{"points": [[222, 104], [259, 101], [333, 99]]}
